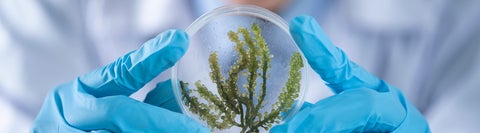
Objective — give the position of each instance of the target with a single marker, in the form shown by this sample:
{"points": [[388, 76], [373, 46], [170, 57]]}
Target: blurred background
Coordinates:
{"points": [[428, 49]]}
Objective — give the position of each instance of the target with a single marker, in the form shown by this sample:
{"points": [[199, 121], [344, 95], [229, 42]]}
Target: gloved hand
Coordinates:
{"points": [[98, 101], [362, 102]]}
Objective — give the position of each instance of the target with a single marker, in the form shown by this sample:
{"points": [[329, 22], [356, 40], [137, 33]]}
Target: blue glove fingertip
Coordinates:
{"points": [[163, 96], [157, 55], [180, 37], [320, 52], [305, 29]]}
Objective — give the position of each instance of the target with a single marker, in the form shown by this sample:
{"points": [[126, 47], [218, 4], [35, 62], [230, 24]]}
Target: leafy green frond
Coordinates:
{"points": [[253, 62]]}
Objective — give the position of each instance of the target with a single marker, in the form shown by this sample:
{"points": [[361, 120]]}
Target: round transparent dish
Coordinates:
{"points": [[228, 90]]}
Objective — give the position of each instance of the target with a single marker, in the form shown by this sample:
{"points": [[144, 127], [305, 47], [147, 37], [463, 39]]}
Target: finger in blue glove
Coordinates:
{"points": [[363, 103], [163, 96], [98, 101]]}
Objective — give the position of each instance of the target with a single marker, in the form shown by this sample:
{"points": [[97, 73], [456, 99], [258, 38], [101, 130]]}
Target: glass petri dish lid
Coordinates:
{"points": [[228, 90]]}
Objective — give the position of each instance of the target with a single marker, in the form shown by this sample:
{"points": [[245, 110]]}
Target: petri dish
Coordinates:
{"points": [[209, 34]]}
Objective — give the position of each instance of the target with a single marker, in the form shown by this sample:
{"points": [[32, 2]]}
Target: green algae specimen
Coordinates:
{"points": [[233, 107]]}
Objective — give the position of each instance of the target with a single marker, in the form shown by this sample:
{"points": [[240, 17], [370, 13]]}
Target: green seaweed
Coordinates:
{"points": [[253, 62]]}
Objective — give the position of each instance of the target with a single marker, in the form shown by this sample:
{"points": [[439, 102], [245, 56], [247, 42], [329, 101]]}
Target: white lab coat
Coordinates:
{"points": [[429, 49]]}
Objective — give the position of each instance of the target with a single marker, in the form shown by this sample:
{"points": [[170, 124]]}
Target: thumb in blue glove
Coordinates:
{"points": [[162, 96], [363, 103], [98, 101]]}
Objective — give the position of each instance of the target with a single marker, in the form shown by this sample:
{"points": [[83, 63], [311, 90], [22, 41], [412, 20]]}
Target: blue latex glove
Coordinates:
{"points": [[362, 102], [98, 101]]}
